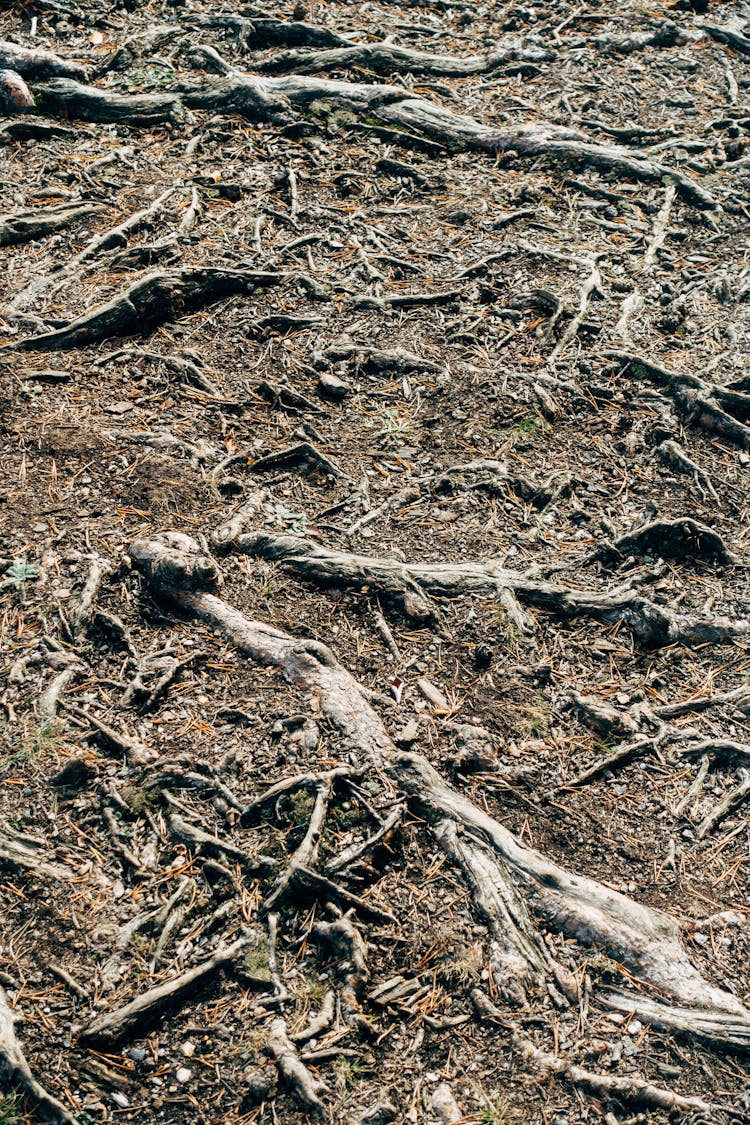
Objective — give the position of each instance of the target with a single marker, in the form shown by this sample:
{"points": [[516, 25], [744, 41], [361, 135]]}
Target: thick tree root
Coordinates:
{"points": [[675, 539], [149, 302], [25, 226], [273, 98], [293, 1073], [36, 63], [15, 1070], [644, 940], [653, 624], [113, 1027], [714, 408], [65, 97]]}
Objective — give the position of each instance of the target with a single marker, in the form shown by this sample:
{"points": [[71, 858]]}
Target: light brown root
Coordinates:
{"points": [[307, 853], [732, 800], [122, 1023], [293, 1074], [15, 1070], [100, 568]]}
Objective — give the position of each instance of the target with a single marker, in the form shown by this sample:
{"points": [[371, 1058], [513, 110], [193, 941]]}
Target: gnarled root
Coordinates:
{"points": [[15, 1069], [644, 940], [292, 1071]]}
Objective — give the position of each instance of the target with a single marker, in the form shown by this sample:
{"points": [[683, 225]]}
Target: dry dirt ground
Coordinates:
{"points": [[455, 284]]}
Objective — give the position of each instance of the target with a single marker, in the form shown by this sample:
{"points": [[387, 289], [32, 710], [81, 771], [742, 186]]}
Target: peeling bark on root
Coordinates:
{"points": [[149, 302], [653, 624], [644, 940], [292, 1071], [16, 1071]]}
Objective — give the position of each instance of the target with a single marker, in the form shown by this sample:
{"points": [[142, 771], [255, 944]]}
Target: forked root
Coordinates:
{"points": [[15, 1069], [644, 941]]}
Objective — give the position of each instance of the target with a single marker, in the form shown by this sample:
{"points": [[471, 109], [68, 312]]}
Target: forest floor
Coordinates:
{"points": [[512, 330]]}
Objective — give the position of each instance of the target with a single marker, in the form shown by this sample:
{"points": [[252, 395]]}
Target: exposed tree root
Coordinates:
{"points": [[15, 95], [653, 624], [293, 1073], [714, 408], [76, 101], [675, 539], [665, 33], [15, 1070], [26, 854], [37, 63], [644, 940], [272, 98], [626, 1089], [732, 36], [388, 58], [149, 302], [25, 226], [115, 1026]]}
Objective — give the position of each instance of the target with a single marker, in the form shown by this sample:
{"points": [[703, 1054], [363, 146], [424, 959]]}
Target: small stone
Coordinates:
{"points": [[332, 386], [188, 1049], [136, 1054], [183, 1074], [409, 733], [120, 1099]]}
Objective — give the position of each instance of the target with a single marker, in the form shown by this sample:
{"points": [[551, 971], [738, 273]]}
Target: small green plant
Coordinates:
{"points": [[255, 963], [18, 573], [11, 1109], [347, 1072], [528, 430], [300, 807], [295, 521]]}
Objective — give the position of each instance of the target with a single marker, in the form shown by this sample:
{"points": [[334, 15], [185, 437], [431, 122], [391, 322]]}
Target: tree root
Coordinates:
{"points": [[25, 226], [23, 853], [675, 539], [293, 1074], [76, 101], [714, 408], [644, 940], [149, 302], [37, 63], [388, 58], [122, 1023], [653, 624], [613, 1087], [15, 1070]]}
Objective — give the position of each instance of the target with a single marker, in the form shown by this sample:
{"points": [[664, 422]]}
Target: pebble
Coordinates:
{"points": [[332, 386], [188, 1049], [183, 1074], [136, 1054], [120, 1099]]}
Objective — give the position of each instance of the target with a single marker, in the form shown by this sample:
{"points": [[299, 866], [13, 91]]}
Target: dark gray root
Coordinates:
{"points": [[730, 36], [653, 624], [732, 800], [675, 539], [644, 940], [25, 226], [37, 63], [274, 98], [159, 297], [122, 1023], [15, 1070], [665, 33], [711, 407], [65, 97]]}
